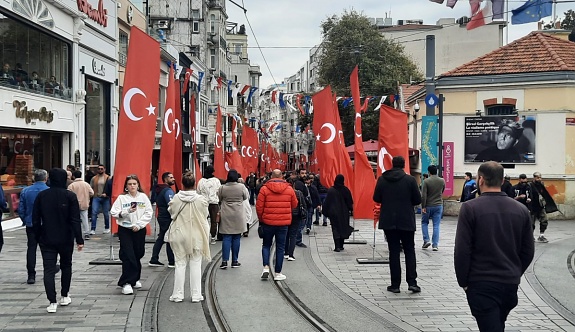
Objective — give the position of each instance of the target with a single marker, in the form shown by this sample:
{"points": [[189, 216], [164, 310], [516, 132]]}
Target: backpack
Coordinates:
{"points": [[300, 210]]}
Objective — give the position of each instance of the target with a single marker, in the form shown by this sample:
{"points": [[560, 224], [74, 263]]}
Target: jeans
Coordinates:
{"points": [[309, 219], [31, 252], [490, 303], [85, 224], [132, 249], [434, 213], [291, 236], [299, 235], [96, 203], [231, 241], [195, 264], [158, 247], [396, 238], [252, 195], [322, 197], [50, 255], [280, 233]]}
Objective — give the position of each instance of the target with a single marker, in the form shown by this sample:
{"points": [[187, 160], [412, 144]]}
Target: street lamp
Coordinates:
{"points": [[415, 111]]}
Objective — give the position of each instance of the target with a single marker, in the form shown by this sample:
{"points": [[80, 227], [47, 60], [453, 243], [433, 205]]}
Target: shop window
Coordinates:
{"points": [[123, 48], [195, 21], [213, 23], [203, 115], [34, 61], [97, 123]]}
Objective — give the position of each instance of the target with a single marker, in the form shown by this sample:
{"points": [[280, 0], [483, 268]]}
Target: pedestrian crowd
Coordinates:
{"points": [[496, 223]]}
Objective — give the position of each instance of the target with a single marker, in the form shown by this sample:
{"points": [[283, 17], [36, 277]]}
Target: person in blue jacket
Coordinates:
{"points": [[25, 208], [469, 188]]}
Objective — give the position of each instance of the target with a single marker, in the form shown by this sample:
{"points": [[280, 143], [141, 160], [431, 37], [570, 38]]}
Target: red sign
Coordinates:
{"points": [[448, 168], [100, 15], [570, 121]]}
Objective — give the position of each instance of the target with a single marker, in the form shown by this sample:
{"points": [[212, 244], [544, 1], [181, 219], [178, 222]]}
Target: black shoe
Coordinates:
{"points": [[414, 288], [155, 264], [307, 230], [236, 264], [341, 249], [31, 280], [393, 289], [337, 250], [224, 265], [86, 237], [316, 222], [246, 234], [324, 224], [301, 245]]}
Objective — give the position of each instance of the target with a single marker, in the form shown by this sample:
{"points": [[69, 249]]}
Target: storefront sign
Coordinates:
{"points": [[23, 112], [101, 70], [570, 121], [99, 15], [448, 168]]}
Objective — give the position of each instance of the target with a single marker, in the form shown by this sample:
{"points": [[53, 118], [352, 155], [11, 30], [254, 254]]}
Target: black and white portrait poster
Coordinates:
{"points": [[506, 139]]}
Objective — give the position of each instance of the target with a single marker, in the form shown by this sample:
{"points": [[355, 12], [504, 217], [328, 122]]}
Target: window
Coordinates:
{"points": [[213, 97], [237, 48], [195, 20], [97, 116], [203, 115], [501, 110], [123, 48], [254, 82], [213, 23], [213, 58], [33, 60]]}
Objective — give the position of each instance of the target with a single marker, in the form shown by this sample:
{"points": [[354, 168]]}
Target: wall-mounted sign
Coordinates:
{"points": [[570, 121], [23, 112], [99, 15], [130, 14], [98, 70]]}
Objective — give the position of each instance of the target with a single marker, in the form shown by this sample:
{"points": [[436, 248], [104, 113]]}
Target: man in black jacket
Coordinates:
{"points": [[507, 187], [300, 185], [398, 193], [522, 192], [542, 203], [164, 194], [322, 190], [56, 223], [493, 248]]}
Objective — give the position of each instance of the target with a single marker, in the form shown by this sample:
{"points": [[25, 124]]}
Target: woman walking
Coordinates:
{"points": [[338, 207], [232, 217], [133, 211], [189, 237]]}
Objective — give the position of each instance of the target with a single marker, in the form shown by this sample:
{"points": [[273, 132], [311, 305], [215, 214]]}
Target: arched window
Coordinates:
{"points": [[213, 23]]}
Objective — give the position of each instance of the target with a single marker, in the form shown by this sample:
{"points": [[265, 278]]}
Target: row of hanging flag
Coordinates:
{"points": [[486, 11]]}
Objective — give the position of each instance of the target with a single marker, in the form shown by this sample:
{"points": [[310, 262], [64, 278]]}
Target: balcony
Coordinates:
{"points": [[36, 86]]}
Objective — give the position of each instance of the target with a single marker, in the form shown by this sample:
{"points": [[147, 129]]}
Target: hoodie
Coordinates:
{"points": [[189, 233], [163, 197], [121, 210], [397, 193], [275, 203], [209, 187], [56, 213]]}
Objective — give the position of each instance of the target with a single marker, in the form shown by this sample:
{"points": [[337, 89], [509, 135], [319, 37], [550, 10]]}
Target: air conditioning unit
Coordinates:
{"points": [[163, 24]]}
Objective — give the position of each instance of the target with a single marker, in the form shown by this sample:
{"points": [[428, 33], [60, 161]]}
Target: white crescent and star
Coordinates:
{"points": [[333, 133], [128, 108], [262, 158], [218, 144], [381, 158], [227, 166], [248, 152], [243, 151], [357, 115]]}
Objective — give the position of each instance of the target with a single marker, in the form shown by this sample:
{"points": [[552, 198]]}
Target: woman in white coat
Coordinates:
{"points": [[189, 237]]}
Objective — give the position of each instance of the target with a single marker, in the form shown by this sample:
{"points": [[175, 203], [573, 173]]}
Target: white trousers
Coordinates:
{"points": [[84, 218], [195, 264]]}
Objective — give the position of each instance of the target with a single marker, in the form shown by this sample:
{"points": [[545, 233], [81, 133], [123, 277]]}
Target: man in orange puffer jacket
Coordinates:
{"points": [[274, 209]]}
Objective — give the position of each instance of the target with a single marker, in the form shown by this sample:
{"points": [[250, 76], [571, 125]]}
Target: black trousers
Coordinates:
{"points": [[31, 252], [291, 236], [158, 246], [213, 210], [490, 304], [338, 243], [50, 257], [132, 249], [395, 239]]}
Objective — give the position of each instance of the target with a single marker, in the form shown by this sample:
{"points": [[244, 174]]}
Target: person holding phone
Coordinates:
{"points": [[133, 211]]}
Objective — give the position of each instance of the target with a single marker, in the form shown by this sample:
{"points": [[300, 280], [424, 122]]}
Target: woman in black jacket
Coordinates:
{"points": [[338, 207]]}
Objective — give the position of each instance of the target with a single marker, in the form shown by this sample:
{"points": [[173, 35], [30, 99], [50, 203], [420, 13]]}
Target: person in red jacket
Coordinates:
{"points": [[274, 209]]}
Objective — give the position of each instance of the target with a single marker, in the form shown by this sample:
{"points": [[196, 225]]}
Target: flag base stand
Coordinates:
{"points": [[372, 259], [110, 260], [353, 240]]}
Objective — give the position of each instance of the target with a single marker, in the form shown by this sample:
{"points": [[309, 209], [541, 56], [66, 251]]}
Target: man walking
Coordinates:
{"points": [[431, 207], [507, 187], [251, 184], [83, 192], [100, 199], [164, 195], [25, 208], [522, 192], [398, 193], [492, 229], [469, 188], [56, 223], [542, 203], [274, 209], [208, 186], [299, 184]]}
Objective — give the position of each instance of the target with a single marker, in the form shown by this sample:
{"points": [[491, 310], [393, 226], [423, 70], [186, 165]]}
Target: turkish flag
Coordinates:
{"points": [[364, 179], [393, 139], [177, 169], [236, 163], [343, 165], [138, 114], [170, 131], [327, 148], [227, 162], [220, 172], [197, 170], [186, 80], [250, 149]]}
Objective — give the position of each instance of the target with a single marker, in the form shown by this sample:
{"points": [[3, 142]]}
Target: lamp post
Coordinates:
{"points": [[415, 111]]}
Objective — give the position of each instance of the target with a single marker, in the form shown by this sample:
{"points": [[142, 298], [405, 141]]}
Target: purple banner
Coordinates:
{"points": [[448, 168]]}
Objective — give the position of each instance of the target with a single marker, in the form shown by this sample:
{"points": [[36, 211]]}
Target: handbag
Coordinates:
{"points": [[167, 235], [260, 231]]}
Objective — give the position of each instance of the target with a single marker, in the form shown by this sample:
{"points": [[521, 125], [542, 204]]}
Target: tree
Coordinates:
{"points": [[352, 40], [568, 22]]}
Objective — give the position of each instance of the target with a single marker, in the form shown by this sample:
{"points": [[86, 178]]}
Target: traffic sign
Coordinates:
{"points": [[431, 100]]}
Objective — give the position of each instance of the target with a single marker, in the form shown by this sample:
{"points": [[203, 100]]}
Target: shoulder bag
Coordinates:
{"points": [[167, 235]]}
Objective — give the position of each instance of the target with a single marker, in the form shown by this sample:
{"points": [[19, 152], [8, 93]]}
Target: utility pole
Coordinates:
{"points": [[429, 71], [440, 136]]}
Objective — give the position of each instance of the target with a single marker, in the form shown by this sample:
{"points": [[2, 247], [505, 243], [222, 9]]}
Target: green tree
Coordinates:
{"points": [[568, 22], [352, 40]]}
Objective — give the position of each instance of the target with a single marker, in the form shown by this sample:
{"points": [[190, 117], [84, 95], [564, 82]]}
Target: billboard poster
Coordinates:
{"points": [[448, 168], [429, 135], [506, 139]]}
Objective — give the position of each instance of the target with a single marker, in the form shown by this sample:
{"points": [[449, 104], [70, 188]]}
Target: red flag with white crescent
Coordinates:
{"points": [[249, 149], [197, 170], [237, 163], [393, 138], [187, 77], [324, 126], [364, 183], [138, 114], [171, 129], [219, 170]]}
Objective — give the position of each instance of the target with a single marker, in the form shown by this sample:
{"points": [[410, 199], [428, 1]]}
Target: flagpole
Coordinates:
{"points": [[554, 14], [506, 22]]}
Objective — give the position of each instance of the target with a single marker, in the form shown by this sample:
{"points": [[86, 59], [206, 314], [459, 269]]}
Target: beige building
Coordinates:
{"points": [[531, 83]]}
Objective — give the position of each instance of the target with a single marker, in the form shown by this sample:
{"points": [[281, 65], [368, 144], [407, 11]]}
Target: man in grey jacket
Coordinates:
{"points": [[431, 207]]}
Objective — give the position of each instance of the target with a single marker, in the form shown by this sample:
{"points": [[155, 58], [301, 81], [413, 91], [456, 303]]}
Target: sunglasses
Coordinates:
{"points": [[100, 169]]}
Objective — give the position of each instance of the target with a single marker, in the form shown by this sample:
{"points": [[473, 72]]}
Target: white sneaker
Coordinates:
{"points": [[65, 300], [92, 232], [286, 256], [279, 277], [175, 299], [127, 289], [138, 285], [291, 259], [107, 231], [265, 274], [52, 308], [213, 241], [197, 299]]}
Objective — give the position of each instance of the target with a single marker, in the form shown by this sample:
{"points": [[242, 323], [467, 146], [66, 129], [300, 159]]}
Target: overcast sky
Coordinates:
{"points": [[296, 24]]}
